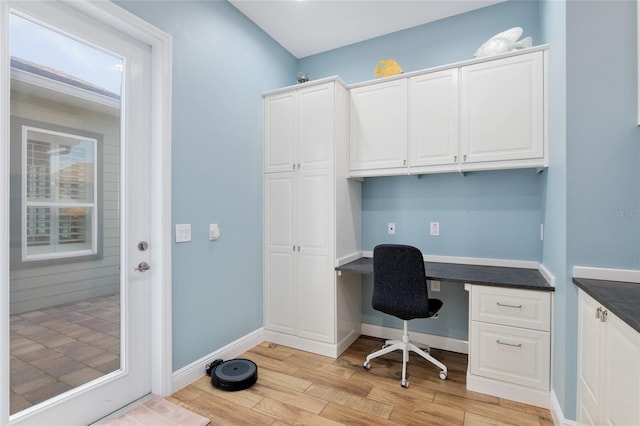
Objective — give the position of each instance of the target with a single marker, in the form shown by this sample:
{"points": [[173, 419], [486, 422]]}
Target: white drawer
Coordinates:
{"points": [[510, 354], [513, 307]]}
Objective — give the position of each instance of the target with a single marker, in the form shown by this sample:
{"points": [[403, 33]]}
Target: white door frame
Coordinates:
{"points": [[161, 60]]}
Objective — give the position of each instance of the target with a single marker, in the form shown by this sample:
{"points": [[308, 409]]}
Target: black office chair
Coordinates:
{"points": [[400, 289]]}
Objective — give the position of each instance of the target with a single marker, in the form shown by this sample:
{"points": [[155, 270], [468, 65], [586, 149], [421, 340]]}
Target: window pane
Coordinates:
{"points": [[59, 231], [38, 226], [60, 167]]}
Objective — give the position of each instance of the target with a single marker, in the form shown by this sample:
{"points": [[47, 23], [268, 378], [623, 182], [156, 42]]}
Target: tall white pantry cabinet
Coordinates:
{"points": [[311, 218]]}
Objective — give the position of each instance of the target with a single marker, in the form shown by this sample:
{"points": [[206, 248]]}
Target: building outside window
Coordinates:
{"points": [[60, 188]]}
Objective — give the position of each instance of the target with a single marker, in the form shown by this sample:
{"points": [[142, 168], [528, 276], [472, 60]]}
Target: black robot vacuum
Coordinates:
{"points": [[233, 375]]}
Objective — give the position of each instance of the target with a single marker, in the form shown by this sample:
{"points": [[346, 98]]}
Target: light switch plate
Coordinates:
{"points": [[434, 229], [214, 231], [183, 233]]}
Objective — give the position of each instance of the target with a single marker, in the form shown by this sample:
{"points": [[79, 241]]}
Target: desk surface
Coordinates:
{"points": [[496, 276]]}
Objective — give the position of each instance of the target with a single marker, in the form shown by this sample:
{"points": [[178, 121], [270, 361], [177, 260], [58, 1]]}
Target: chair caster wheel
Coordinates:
{"points": [[404, 383], [367, 365], [443, 375]]}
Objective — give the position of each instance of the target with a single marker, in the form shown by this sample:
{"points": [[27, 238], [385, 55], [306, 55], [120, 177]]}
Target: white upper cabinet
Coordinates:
{"points": [[502, 109], [280, 132], [378, 131], [299, 129], [316, 127], [478, 115], [433, 119]]}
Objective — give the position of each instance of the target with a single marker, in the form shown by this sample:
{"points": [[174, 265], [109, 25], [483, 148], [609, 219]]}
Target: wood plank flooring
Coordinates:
{"points": [[300, 388]]}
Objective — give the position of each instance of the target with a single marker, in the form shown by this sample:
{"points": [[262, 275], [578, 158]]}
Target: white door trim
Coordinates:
{"points": [[161, 54], [161, 60]]}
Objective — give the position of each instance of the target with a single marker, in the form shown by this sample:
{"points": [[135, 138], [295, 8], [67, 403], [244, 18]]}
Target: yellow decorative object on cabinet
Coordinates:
{"points": [[387, 68]]}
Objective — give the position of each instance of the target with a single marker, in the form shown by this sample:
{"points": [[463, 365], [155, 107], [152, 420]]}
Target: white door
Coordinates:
{"points": [[502, 109], [280, 252], [315, 241], [280, 132], [433, 118], [378, 131], [79, 220], [316, 127], [591, 343]]}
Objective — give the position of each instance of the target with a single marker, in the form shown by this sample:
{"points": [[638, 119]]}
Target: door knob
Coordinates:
{"points": [[142, 266]]}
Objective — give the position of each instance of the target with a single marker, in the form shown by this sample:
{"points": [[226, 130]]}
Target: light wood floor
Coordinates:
{"points": [[296, 387]]}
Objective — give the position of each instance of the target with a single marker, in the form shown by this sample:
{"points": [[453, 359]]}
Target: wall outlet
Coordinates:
{"points": [[435, 285], [183, 233], [214, 231], [391, 228], [434, 229]]}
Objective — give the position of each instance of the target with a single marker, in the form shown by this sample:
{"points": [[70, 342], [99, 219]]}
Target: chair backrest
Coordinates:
{"points": [[399, 282]]}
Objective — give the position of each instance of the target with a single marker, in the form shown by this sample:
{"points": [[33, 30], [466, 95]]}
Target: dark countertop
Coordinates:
{"points": [[621, 298], [496, 276]]}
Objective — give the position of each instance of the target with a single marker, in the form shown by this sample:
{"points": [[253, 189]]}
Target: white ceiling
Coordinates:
{"points": [[307, 27]]}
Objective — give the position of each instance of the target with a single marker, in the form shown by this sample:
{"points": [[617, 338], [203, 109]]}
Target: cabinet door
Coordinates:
{"points": [[316, 276], [502, 109], [433, 119], [622, 373], [378, 117], [590, 365], [316, 127], [279, 226], [280, 132], [511, 354]]}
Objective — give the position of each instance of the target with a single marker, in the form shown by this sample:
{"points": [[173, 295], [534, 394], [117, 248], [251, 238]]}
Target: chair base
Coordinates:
{"points": [[405, 346]]}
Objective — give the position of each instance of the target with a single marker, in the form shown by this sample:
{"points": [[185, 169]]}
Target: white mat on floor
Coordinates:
{"points": [[159, 412]]}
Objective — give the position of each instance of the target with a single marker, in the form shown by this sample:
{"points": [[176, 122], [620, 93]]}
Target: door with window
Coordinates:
{"points": [[79, 252]]}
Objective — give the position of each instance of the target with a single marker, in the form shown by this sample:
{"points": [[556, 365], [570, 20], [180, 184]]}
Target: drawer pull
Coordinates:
{"points": [[509, 306], [519, 345]]}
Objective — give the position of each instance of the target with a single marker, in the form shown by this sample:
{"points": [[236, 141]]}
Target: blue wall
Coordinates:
{"points": [[438, 43], [603, 139], [221, 65], [554, 257], [603, 151]]}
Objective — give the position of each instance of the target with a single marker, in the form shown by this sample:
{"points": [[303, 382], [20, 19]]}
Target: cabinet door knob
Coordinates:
{"points": [[599, 312], [604, 315]]}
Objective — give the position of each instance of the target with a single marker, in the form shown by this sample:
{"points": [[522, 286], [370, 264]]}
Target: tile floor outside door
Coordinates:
{"points": [[57, 349]]}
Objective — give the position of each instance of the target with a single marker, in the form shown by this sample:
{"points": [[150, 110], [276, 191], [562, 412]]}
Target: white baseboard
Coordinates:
{"points": [[511, 391], [438, 342], [558, 415], [192, 372], [607, 274], [295, 342]]}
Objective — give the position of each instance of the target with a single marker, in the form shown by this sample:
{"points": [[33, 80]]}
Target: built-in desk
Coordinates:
{"points": [[509, 326], [494, 276]]}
